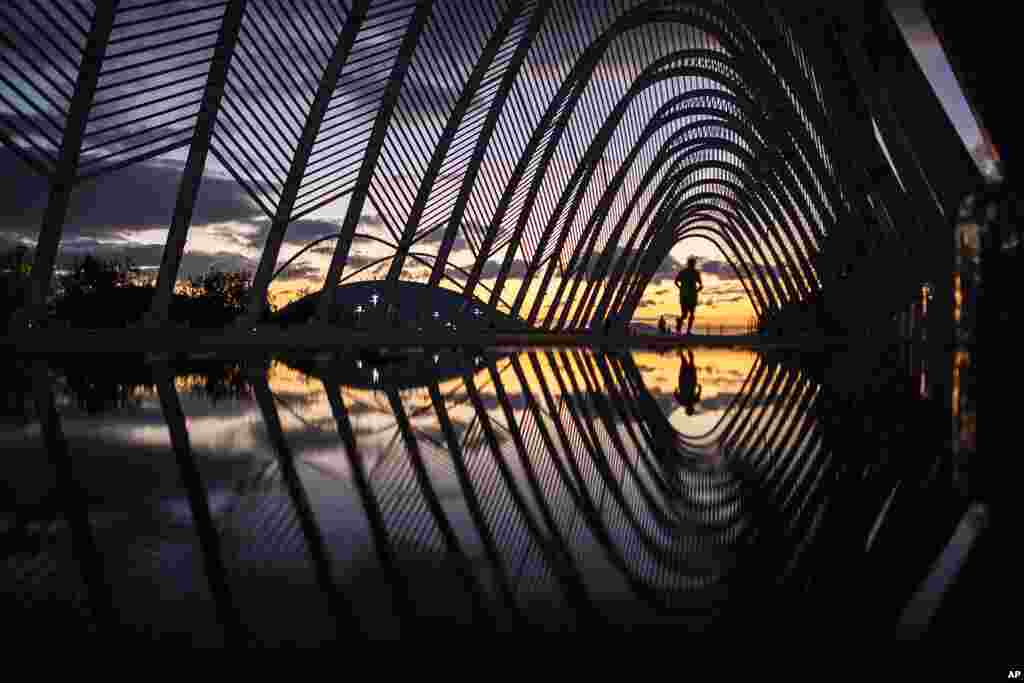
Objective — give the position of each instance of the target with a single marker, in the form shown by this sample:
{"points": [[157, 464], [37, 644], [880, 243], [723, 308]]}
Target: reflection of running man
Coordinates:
{"points": [[688, 393], [689, 283]]}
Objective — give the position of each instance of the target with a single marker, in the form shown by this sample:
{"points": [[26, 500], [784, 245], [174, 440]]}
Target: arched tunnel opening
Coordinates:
{"points": [[726, 303]]}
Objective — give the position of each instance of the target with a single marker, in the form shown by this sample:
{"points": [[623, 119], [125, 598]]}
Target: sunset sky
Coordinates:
{"points": [[125, 214]]}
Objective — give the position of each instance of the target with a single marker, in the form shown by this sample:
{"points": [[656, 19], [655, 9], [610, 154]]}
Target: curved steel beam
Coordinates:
{"points": [[752, 217], [600, 271], [721, 123], [805, 265], [597, 148], [646, 271], [326, 85], [415, 26], [708, 73], [440, 151]]}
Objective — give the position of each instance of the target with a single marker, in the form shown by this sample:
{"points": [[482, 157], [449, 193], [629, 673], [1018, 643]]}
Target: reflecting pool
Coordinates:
{"points": [[303, 498]]}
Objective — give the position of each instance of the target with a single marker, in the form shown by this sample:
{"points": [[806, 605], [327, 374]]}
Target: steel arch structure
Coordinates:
{"points": [[557, 148]]}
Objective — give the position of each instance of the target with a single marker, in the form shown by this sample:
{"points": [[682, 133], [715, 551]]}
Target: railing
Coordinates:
{"points": [[650, 325]]}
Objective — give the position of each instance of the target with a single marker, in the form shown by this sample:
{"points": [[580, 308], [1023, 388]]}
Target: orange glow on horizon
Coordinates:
{"points": [[725, 313]]}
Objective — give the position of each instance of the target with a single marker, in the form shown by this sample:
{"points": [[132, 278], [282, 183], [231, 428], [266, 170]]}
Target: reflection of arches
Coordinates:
{"points": [[548, 490], [666, 435], [421, 257], [623, 493]]}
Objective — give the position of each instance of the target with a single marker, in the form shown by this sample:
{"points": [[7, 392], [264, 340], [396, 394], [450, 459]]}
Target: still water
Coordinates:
{"points": [[299, 499]]}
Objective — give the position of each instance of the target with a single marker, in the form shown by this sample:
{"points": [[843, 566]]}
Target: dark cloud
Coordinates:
{"points": [[719, 402], [426, 97], [299, 233], [355, 259], [198, 262], [231, 234], [437, 234], [666, 270], [306, 230], [669, 267], [491, 268], [147, 256], [140, 197], [142, 255], [300, 271], [720, 269]]}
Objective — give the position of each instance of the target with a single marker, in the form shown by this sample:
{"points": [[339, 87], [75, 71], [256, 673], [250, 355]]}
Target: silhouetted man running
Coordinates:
{"points": [[689, 283]]}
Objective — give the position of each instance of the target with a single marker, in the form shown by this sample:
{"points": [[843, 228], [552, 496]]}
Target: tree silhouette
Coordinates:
{"points": [[104, 293]]}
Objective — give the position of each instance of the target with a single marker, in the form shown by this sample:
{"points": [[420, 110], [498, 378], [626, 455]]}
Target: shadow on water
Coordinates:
{"points": [[303, 499]]}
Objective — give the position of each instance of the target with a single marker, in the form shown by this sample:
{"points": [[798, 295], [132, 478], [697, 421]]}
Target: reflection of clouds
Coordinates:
{"points": [[721, 373], [704, 419], [719, 370], [611, 435], [375, 426], [235, 426]]}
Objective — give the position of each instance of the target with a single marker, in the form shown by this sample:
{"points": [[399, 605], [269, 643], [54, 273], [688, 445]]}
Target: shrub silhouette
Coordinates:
{"points": [[107, 293]]}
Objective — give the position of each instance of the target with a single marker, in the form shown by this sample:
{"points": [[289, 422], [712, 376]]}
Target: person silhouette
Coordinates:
{"points": [[688, 393], [689, 283]]}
